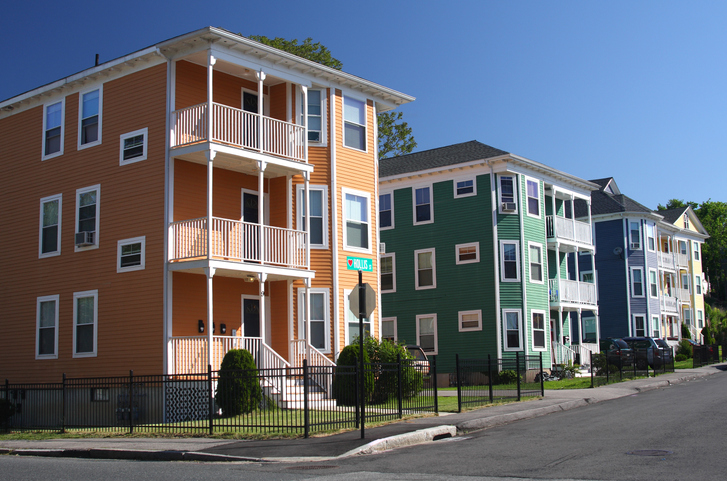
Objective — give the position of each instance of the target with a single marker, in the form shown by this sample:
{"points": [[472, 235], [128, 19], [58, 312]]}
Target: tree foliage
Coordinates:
{"points": [[395, 135], [675, 204], [713, 216], [238, 388]]}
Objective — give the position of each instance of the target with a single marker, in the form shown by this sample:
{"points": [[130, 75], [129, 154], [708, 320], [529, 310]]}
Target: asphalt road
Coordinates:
{"points": [[674, 433]]}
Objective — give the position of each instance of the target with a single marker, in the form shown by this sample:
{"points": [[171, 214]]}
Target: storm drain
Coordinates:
{"points": [[650, 452]]}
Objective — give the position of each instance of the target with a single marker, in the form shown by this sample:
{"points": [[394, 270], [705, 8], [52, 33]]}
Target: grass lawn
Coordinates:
{"points": [[686, 364]]}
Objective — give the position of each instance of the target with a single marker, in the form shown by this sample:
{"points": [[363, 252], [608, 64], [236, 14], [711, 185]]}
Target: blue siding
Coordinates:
{"points": [[613, 292]]}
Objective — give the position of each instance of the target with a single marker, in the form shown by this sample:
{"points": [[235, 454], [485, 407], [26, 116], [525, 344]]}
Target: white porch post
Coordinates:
{"points": [[263, 318], [555, 213], [209, 272], [260, 79], [306, 203], [304, 92], [260, 212], [590, 225], [578, 275], [211, 60], [307, 319]]}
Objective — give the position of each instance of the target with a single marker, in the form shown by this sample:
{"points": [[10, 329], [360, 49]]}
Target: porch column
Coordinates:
{"points": [[210, 273], [210, 170], [307, 318], [590, 224], [573, 217], [555, 213], [211, 60], [304, 92], [578, 275], [260, 79], [260, 212], [306, 202]]}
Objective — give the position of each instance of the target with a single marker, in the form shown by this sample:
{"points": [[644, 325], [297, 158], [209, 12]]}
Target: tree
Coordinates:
{"points": [[675, 204], [713, 216], [395, 135]]}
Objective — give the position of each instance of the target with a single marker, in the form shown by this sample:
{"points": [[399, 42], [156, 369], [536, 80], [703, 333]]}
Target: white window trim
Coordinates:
{"points": [[655, 327], [514, 193], [631, 237], [366, 195], [327, 314], [56, 299], [416, 269], [300, 196], [527, 198], [699, 321], [396, 327], [393, 272], [390, 193], [134, 240], [696, 255], [506, 347], [643, 282], [474, 187], [688, 316], [657, 283], [63, 128], [80, 116], [436, 333], [697, 285], [80, 295], [546, 321], [583, 275], [414, 204], [95, 245], [542, 263], [646, 328], [689, 283], [365, 124], [324, 117], [460, 314], [653, 230], [44, 200], [346, 310], [583, 323], [457, 247], [122, 137], [502, 260]]}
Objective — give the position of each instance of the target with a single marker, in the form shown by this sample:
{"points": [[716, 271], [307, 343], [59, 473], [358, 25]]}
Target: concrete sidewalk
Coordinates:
{"points": [[377, 439]]}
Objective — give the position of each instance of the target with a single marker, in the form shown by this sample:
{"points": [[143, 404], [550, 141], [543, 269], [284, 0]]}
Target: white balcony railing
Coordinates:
{"points": [[666, 260], [682, 260], [239, 241], [568, 229], [669, 304], [238, 128], [562, 290], [682, 294]]}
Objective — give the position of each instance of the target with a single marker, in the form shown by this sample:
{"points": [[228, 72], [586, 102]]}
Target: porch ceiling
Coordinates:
{"points": [[240, 270], [242, 71]]}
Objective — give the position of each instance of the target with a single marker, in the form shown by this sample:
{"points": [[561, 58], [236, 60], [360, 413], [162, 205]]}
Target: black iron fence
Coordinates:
{"points": [[281, 401], [615, 366], [486, 381], [707, 354]]}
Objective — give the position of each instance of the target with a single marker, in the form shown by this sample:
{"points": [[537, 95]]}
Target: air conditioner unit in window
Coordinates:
{"points": [[509, 206], [382, 247], [84, 239], [635, 246]]}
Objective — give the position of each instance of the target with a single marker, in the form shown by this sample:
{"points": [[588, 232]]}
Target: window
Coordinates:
{"points": [[697, 285], [513, 339], [509, 261], [655, 326], [427, 333], [587, 276], [470, 321], [700, 319], [388, 273], [639, 325], [133, 146], [467, 253], [131, 254], [85, 322], [388, 329], [423, 206], [688, 316], [589, 329], [686, 220], [319, 214], [352, 321], [653, 285], [507, 194], [47, 328], [356, 211], [53, 129], [386, 211], [425, 267], [89, 118], [538, 329], [315, 116], [87, 208], [533, 194], [50, 226], [683, 247], [319, 318], [354, 123], [536, 262], [637, 282], [696, 250], [685, 282], [635, 231], [650, 239], [464, 188]]}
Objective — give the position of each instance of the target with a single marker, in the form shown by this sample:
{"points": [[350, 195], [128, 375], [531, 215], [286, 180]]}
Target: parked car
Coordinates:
{"points": [[420, 358], [618, 353], [667, 350], [646, 352]]}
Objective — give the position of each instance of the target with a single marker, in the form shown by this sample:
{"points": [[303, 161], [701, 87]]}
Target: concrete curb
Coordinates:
{"points": [[135, 455], [403, 440], [501, 419]]}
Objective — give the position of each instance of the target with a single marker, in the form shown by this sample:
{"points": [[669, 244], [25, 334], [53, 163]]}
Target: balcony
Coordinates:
{"points": [[238, 241], [570, 230], [580, 294], [683, 261], [666, 260], [669, 304], [683, 295], [238, 129]]}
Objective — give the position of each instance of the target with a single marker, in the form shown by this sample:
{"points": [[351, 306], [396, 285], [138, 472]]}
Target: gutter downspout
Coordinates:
{"points": [[496, 264]]}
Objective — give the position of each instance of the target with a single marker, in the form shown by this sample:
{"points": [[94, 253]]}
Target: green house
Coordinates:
{"points": [[480, 256]]}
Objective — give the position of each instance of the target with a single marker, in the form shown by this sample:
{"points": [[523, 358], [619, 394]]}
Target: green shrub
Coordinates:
{"points": [[344, 381], [681, 357], [507, 376], [386, 380], [7, 410], [685, 349], [707, 337], [685, 332], [238, 389]]}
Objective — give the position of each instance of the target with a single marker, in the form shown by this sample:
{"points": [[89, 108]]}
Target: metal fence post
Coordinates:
{"points": [[211, 398], [436, 397], [63, 405], [517, 371], [459, 383], [401, 388], [7, 398], [306, 412], [131, 401], [490, 380], [592, 368], [356, 390], [542, 385]]}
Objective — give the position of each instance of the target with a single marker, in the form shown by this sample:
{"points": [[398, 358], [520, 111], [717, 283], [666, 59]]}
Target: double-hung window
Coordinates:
{"points": [[133, 146], [653, 285], [87, 216], [697, 285], [509, 261], [686, 221], [470, 320], [388, 273], [696, 250], [538, 318], [685, 282], [319, 318], [47, 328], [423, 212], [427, 333], [700, 319], [533, 193], [687, 316], [388, 329], [89, 118], [50, 226], [507, 194], [85, 323], [640, 325], [512, 329], [315, 116], [354, 123], [650, 239], [357, 230], [536, 262], [635, 232], [425, 267], [53, 129], [319, 214], [637, 282], [464, 188], [386, 211], [131, 254], [655, 326]]}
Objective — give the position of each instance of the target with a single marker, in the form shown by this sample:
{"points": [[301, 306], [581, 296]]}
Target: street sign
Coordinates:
{"points": [[359, 264], [370, 300]]}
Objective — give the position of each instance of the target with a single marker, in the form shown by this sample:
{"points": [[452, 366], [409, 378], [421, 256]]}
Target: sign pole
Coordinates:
{"points": [[361, 309]]}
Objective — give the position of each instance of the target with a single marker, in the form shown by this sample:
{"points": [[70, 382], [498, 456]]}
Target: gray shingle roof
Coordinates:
{"points": [[437, 158], [604, 203], [672, 215]]}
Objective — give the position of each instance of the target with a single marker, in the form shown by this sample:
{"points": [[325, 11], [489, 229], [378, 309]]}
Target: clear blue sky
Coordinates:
{"points": [[631, 89]]}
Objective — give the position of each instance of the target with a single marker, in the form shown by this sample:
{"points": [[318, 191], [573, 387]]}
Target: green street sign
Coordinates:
{"points": [[359, 264]]}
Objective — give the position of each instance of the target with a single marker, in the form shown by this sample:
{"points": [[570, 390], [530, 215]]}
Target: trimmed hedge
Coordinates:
{"points": [[344, 381], [238, 389]]}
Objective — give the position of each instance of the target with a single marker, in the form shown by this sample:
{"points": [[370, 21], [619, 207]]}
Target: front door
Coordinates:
{"points": [[250, 207], [251, 317]]}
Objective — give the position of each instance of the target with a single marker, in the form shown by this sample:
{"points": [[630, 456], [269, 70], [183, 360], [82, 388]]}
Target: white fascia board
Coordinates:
{"points": [[625, 215], [436, 171], [556, 175], [260, 64]]}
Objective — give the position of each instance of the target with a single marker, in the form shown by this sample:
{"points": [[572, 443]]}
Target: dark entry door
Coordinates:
{"points": [[251, 317]]}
